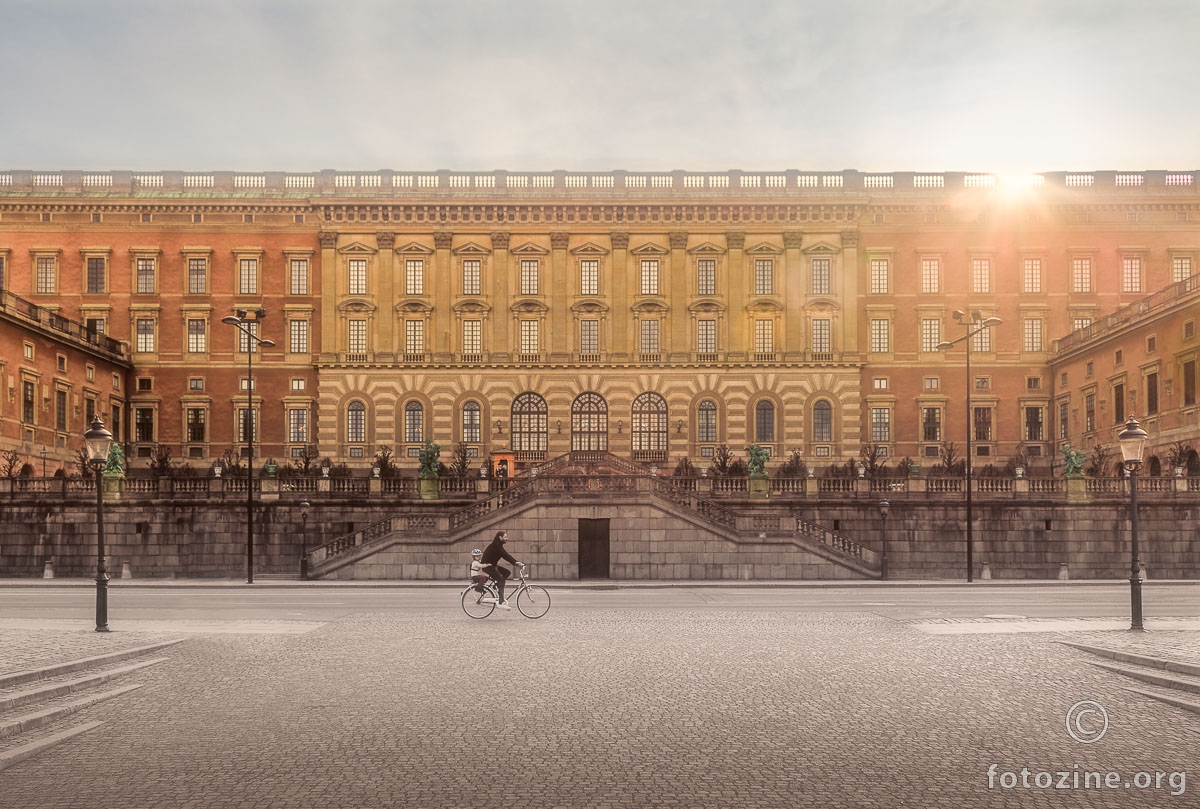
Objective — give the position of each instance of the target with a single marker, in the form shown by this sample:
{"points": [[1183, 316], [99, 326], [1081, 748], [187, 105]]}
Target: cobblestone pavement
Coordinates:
{"points": [[608, 708]]}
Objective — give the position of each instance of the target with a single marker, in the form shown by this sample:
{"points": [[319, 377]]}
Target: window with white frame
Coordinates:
{"points": [[298, 336], [1034, 423], [649, 276], [981, 275], [821, 331], [356, 269], [1064, 425], [247, 424], [144, 268], [880, 335], [982, 341], [356, 336], [356, 423], [96, 274], [1032, 329], [764, 276], [246, 342], [297, 425], [1032, 275], [880, 276], [820, 276], [931, 275], [414, 337], [414, 423], [472, 423], [145, 335], [472, 337], [47, 274], [706, 421], [1081, 275], [529, 337], [589, 337], [881, 425], [529, 276], [197, 424], [649, 334], [589, 277], [298, 277], [414, 276], [1080, 323], [248, 276], [822, 420], [197, 276], [983, 423], [764, 336], [706, 336], [764, 422], [931, 334], [197, 335], [472, 276], [1131, 274], [706, 276], [1181, 268], [931, 424]]}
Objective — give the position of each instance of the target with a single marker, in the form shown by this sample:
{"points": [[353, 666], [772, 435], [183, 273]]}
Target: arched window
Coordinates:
{"points": [[706, 424], [529, 423], [822, 421], [356, 423], [648, 425], [471, 423], [764, 422], [589, 422], [414, 423]]}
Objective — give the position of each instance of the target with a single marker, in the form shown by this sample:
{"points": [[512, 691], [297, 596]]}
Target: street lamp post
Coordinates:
{"points": [[304, 507], [242, 322], [976, 324], [884, 505], [43, 454], [1133, 443], [97, 442]]}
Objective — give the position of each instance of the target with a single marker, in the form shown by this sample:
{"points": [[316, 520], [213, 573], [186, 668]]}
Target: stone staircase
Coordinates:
{"points": [[1174, 682], [40, 708]]}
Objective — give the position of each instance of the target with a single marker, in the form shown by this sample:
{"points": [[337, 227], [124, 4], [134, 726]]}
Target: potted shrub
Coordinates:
{"points": [[427, 484]]}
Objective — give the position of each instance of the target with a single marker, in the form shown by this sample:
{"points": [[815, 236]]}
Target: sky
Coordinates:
{"points": [[701, 85]]}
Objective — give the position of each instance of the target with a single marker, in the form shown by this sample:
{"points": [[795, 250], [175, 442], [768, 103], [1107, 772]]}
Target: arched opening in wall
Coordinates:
{"points": [[648, 427], [1153, 466], [764, 422], [589, 423], [1192, 466], [530, 422]]}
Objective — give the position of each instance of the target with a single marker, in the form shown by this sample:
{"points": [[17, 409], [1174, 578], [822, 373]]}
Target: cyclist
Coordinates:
{"points": [[493, 554], [478, 575]]}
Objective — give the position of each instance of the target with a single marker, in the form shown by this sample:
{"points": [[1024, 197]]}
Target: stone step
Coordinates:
{"points": [[1177, 683], [21, 677], [32, 695], [37, 719], [17, 754], [1187, 705], [1141, 660]]}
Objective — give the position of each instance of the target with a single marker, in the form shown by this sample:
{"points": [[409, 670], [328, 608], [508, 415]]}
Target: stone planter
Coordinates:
{"points": [[427, 488]]}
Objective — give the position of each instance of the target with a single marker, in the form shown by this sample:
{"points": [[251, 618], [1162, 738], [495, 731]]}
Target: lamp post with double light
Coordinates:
{"points": [[884, 505], [1133, 443], [97, 441], [975, 325], [253, 342]]}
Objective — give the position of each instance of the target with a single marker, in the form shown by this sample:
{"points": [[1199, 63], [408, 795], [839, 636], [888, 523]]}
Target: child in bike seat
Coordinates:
{"points": [[477, 575]]}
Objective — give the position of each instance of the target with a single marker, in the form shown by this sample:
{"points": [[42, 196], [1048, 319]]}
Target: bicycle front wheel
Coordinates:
{"points": [[533, 601], [475, 603]]}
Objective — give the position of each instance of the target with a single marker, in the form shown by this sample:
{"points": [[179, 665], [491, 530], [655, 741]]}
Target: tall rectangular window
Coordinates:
{"points": [[820, 276], [821, 331], [1119, 403], [1131, 275], [931, 424], [1033, 423], [983, 424], [472, 337], [880, 334], [1189, 383], [143, 424], [298, 277], [1181, 268], [60, 410], [1032, 277], [706, 276], [95, 274], [298, 336], [764, 276], [1032, 328], [47, 274], [529, 276], [197, 418], [246, 343], [472, 423], [414, 336], [3, 270], [981, 275], [589, 277], [649, 333], [706, 336], [145, 335], [247, 424], [589, 337], [649, 277], [880, 276], [297, 425], [1089, 412], [982, 341], [197, 337], [529, 337], [1064, 425], [931, 334], [472, 276], [931, 275], [881, 425], [1080, 323], [28, 410], [1151, 394], [1081, 275], [356, 342], [145, 276], [248, 276], [764, 336], [414, 276], [357, 278], [197, 276]]}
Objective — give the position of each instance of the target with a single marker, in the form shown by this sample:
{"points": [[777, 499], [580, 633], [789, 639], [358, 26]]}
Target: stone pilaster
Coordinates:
{"points": [[848, 297], [735, 283], [792, 281], [676, 294], [329, 331], [499, 345], [443, 288], [560, 288], [385, 285], [620, 295]]}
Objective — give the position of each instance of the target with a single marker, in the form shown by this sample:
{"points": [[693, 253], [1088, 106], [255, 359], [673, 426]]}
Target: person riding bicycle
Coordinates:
{"points": [[493, 554], [478, 575]]}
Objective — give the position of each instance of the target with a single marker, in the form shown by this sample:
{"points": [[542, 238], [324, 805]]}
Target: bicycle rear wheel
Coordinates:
{"points": [[474, 604], [533, 601]]}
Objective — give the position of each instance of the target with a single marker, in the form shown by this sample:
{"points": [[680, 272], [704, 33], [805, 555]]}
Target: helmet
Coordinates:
{"points": [[476, 552]]}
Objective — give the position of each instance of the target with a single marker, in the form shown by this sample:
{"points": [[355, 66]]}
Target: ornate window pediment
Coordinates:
{"points": [[763, 249], [706, 306], [413, 307], [650, 308], [529, 250], [764, 305], [589, 306], [471, 306], [415, 248], [821, 247], [357, 248], [589, 250], [823, 306], [356, 306], [649, 251], [706, 249], [471, 250], [528, 306]]}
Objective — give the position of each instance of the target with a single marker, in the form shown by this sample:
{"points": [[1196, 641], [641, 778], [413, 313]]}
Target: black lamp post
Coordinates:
{"points": [[304, 507], [1133, 443], [884, 505], [976, 324], [98, 441], [241, 321]]}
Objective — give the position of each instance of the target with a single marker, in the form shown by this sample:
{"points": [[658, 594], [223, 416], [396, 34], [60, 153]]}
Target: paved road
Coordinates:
{"points": [[718, 697]]}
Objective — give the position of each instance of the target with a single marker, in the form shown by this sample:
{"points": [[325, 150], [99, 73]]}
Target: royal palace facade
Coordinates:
{"points": [[653, 315]]}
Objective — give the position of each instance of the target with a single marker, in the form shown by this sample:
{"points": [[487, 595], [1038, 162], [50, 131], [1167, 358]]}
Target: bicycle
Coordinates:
{"points": [[532, 600]]}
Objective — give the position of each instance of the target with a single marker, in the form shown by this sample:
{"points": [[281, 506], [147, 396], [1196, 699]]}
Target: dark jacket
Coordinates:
{"points": [[494, 553]]}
